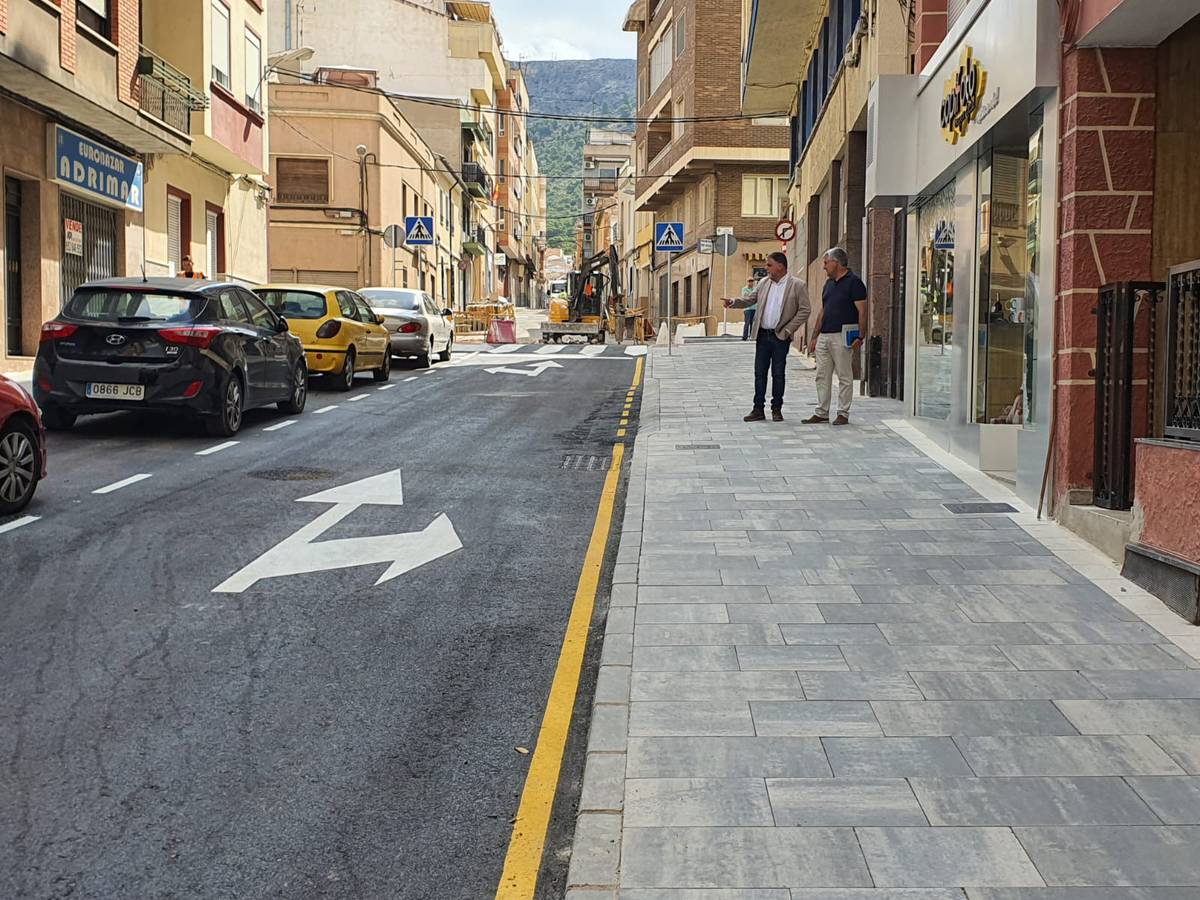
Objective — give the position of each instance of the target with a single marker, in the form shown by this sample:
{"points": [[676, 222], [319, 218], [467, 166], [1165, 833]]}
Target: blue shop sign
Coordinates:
{"points": [[95, 170]]}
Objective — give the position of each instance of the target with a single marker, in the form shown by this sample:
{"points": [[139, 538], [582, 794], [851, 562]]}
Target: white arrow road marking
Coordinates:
{"points": [[18, 523], [217, 449], [532, 372], [302, 553], [123, 483]]}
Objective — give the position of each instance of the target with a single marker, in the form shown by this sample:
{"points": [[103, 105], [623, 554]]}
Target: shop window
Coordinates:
{"points": [[935, 304], [221, 52], [302, 181], [95, 15]]}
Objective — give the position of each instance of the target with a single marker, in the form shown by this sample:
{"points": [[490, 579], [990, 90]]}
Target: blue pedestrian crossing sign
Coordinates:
{"points": [[418, 231], [668, 237]]}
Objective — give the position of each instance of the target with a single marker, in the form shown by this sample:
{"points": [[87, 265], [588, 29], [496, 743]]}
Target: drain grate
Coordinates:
{"points": [[298, 473], [697, 446], [585, 462], [978, 509]]}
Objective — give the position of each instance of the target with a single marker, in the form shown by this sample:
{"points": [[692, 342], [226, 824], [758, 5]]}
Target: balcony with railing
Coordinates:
{"points": [[166, 93], [475, 241], [601, 179], [476, 125], [478, 182]]}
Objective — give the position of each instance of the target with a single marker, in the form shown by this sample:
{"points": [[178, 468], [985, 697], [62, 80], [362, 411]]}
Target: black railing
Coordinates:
{"points": [[474, 176], [166, 93], [1183, 354], [1116, 312]]}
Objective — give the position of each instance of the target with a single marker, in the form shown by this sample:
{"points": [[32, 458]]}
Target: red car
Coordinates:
{"points": [[22, 447]]}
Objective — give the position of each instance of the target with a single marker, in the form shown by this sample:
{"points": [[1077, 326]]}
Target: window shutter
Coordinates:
{"points": [[748, 188], [175, 233], [212, 230], [303, 181]]}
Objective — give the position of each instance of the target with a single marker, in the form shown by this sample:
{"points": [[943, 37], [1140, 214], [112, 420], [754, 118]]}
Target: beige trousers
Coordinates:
{"points": [[833, 356]]}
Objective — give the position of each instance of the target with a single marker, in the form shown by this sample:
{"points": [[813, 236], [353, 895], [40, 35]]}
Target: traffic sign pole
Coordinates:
{"points": [[670, 305]]}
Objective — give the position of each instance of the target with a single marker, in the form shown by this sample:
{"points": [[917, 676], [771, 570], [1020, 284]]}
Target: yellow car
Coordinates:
{"points": [[340, 332]]}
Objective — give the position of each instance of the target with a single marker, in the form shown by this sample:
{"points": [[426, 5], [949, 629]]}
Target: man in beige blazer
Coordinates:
{"points": [[783, 309]]}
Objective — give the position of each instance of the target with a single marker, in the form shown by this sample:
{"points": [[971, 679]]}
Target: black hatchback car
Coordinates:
{"points": [[200, 348]]}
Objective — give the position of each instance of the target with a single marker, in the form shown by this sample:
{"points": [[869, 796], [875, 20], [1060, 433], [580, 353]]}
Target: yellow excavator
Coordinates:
{"points": [[595, 304]]}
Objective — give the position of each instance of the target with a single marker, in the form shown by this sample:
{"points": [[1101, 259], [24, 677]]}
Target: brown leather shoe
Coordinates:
{"points": [[776, 415], [815, 420], [756, 416], [841, 420]]}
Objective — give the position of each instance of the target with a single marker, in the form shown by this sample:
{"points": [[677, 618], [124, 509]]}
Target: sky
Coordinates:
{"points": [[564, 29]]}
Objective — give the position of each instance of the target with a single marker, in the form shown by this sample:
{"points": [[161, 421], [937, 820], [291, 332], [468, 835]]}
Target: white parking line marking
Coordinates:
{"points": [[18, 523], [324, 409], [386, 387], [592, 350], [505, 348], [359, 397], [547, 349], [217, 449], [123, 483], [407, 380], [281, 425]]}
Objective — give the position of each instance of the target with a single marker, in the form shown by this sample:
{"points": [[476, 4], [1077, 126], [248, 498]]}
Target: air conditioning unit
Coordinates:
{"points": [[590, 202]]}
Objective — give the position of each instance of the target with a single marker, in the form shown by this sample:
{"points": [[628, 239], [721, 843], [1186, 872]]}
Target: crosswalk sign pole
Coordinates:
{"points": [[670, 305]]}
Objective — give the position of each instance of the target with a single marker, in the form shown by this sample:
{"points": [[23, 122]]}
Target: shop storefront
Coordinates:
{"points": [[963, 151]]}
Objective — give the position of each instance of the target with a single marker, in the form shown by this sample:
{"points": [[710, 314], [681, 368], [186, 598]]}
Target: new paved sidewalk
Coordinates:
{"points": [[819, 683]]}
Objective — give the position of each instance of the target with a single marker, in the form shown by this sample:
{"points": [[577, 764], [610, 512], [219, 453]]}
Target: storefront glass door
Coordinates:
{"points": [[935, 305]]}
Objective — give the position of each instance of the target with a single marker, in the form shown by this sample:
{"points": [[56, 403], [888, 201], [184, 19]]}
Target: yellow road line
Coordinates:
{"points": [[523, 861], [637, 373]]}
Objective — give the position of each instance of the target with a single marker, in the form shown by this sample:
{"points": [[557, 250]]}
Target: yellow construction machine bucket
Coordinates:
{"points": [[560, 310]]}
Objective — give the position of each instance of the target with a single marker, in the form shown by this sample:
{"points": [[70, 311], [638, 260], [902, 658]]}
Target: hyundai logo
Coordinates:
{"points": [[116, 339]]}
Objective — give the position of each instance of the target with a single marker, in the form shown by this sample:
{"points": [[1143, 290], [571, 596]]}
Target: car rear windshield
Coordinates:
{"points": [[409, 300], [109, 305], [295, 304]]}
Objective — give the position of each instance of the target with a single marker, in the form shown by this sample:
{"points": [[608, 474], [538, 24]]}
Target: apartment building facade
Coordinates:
{"points": [[711, 175], [518, 223], [448, 51], [346, 164]]}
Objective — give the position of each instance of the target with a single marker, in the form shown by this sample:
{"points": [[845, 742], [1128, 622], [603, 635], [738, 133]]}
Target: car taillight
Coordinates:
{"points": [[56, 331], [200, 336], [409, 328], [329, 329]]}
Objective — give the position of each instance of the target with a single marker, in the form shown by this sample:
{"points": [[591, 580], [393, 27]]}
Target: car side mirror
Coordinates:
{"points": [[380, 320], [281, 326], [448, 313]]}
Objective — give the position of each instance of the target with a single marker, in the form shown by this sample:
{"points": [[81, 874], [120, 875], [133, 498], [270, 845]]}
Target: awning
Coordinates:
{"points": [[779, 44], [635, 18], [472, 11]]}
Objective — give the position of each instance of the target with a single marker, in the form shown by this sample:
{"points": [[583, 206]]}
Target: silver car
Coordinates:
{"points": [[416, 326]]}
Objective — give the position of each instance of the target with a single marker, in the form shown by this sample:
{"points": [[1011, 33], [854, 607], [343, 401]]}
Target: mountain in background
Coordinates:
{"points": [[574, 87]]}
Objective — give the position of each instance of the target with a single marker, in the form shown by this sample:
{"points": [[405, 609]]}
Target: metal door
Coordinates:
{"points": [[12, 265], [98, 258]]}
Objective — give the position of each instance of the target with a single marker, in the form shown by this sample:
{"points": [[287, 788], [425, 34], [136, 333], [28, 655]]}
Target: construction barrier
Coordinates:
{"points": [[477, 318], [502, 331]]}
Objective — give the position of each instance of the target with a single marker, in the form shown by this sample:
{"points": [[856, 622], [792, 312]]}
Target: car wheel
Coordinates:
{"points": [[20, 465], [444, 356], [294, 405], [384, 372], [425, 360], [345, 378], [55, 419], [228, 421]]}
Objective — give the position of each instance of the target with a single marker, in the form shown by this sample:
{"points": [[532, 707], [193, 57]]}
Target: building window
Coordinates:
{"points": [[763, 195], [221, 52], [660, 59], [680, 35], [303, 182], [500, 173], [94, 14], [500, 117], [677, 125], [179, 228], [214, 240], [254, 72]]}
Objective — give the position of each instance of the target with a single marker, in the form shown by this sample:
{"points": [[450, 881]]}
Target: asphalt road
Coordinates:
{"points": [[316, 735]]}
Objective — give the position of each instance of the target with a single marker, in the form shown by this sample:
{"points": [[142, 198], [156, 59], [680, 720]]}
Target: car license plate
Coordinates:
{"points": [[99, 391]]}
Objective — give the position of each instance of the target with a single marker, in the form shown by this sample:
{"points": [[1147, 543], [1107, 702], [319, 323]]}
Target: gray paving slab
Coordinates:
{"points": [[1174, 799], [843, 801], [612, 685], [594, 855], [832, 634], [661, 802], [1066, 756], [924, 595], [1093, 657], [777, 613], [1173, 685], [1133, 716], [706, 635], [1162, 856], [741, 857], [1086, 893], [879, 613], [902, 718], [952, 633], [701, 594], [925, 658], [735, 894], [859, 686], [797, 658], [617, 650], [1031, 801], [685, 659], [894, 757], [803, 593], [866, 576], [1005, 686], [707, 717], [603, 783], [813, 718], [1028, 577], [877, 894], [946, 857], [716, 686], [727, 757], [1184, 749], [682, 613], [1096, 633]]}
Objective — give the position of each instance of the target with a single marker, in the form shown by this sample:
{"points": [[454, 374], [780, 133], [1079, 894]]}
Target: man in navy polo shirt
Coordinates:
{"points": [[843, 302]]}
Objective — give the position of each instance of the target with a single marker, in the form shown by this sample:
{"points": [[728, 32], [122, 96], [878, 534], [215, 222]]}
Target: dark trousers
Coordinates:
{"points": [[749, 314], [770, 353]]}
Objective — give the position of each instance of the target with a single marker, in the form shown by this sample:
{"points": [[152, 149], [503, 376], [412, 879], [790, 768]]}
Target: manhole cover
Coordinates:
{"points": [[585, 462], [298, 473], [697, 446], [978, 509]]}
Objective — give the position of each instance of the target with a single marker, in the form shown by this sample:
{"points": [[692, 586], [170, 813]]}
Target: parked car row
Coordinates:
{"points": [[205, 349]]}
